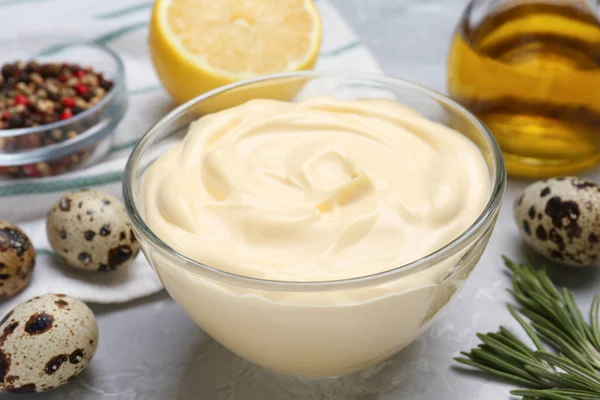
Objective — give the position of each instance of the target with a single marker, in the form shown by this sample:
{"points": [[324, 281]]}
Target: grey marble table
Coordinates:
{"points": [[150, 349]]}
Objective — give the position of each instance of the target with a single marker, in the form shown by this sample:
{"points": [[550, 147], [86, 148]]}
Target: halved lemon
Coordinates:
{"points": [[199, 45]]}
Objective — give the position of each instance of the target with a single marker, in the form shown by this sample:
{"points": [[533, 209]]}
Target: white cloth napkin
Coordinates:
{"points": [[122, 25]]}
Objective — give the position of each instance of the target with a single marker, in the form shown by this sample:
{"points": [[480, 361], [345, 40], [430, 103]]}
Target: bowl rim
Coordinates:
{"points": [[118, 85], [486, 217]]}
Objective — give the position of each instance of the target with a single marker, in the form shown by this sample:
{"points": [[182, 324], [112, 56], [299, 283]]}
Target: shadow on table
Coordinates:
{"points": [[215, 373], [575, 278], [104, 309]]}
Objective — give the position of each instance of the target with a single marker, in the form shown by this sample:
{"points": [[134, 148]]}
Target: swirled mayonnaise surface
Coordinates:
{"points": [[318, 190]]}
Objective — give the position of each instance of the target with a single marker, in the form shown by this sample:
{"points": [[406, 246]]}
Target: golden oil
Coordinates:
{"points": [[531, 72]]}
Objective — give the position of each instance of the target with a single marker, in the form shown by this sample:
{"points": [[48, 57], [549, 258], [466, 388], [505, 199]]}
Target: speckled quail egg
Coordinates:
{"points": [[17, 259], [560, 218], [45, 342], [91, 230]]}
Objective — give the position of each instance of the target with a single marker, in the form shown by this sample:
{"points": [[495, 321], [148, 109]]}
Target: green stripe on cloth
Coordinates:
{"points": [[340, 50], [117, 33], [146, 89], [18, 2], [56, 186], [124, 11], [124, 146], [103, 39], [44, 252]]}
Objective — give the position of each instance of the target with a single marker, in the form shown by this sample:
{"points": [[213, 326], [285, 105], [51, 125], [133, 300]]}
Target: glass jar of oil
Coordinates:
{"points": [[530, 70]]}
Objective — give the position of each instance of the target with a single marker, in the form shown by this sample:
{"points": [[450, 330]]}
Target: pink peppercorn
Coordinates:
{"points": [[21, 99], [66, 114], [80, 88], [68, 102], [30, 170]]}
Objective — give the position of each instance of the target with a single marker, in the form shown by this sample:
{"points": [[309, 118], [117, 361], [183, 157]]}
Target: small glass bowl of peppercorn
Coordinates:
{"points": [[59, 106]]}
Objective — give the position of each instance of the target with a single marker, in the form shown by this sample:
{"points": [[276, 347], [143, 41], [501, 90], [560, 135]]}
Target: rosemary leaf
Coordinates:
{"points": [[541, 324], [507, 377], [571, 308], [547, 284], [562, 345], [502, 365], [557, 379], [525, 301], [555, 394], [552, 309], [579, 394], [595, 324], [512, 342], [567, 324], [549, 316], [503, 349], [528, 329], [589, 343], [569, 366]]}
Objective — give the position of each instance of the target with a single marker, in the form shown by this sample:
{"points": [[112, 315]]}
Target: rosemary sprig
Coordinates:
{"points": [[564, 363]]}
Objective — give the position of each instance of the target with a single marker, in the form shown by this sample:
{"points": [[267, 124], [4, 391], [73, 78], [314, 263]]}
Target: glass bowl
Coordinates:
{"points": [[317, 329], [83, 139]]}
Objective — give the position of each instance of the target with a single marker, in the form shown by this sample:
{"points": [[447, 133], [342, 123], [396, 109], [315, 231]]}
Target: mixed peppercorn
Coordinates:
{"points": [[34, 94]]}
